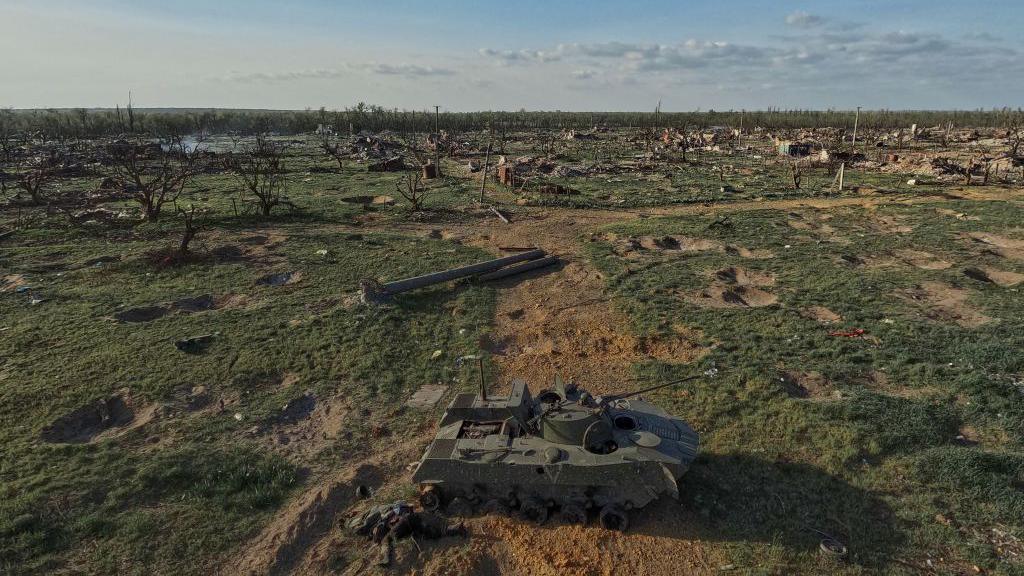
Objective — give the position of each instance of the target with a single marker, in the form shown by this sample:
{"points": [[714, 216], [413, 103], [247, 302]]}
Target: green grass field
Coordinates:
{"points": [[902, 441]]}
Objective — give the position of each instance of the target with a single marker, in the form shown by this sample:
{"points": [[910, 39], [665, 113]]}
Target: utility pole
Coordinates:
{"points": [[856, 121], [487, 162], [842, 167], [437, 146]]}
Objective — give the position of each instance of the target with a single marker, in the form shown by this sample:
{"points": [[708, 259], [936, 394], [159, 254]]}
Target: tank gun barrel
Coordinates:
{"points": [[615, 397]]}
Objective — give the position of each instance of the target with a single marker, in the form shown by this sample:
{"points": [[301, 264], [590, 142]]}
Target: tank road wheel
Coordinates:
{"points": [[460, 507], [573, 514], [613, 517], [534, 509], [430, 498]]}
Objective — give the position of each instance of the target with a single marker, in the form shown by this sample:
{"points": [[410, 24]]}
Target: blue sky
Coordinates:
{"points": [[463, 55]]}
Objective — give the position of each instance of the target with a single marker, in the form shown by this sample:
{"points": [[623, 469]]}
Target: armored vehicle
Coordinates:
{"points": [[564, 450]]}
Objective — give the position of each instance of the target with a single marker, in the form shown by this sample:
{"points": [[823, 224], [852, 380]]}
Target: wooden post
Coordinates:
{"points": [[842, 169], [437, 147], [487, 165], [856, 121]]}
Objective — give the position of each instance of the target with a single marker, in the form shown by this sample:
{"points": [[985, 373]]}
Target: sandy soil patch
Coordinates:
{"points": [[923, 260], [946, 303], [821, 314]]}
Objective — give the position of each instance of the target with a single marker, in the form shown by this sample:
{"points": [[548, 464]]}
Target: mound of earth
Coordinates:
{"points": [[190, 305], [923, 260], [87, 422], [806, 385], [719, 296], [821, 314], [744, 277], [993, 276], [736, 287], [1010, 248], [279, 279], [946, 303]]}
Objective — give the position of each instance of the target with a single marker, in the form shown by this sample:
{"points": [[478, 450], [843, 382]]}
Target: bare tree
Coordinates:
{"points": [[333, 149], [38, 174], [260, 169], [152, 177], [191, 229], [412, 189], [7, 134], [1014, 139]]}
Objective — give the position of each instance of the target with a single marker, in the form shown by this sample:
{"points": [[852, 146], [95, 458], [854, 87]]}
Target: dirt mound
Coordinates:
{"points": [[190, 305], [821, 314], [735, 287], [946, 303], [993, 276], [283, 544], [141, 314], [195, 304], [726, 296], [630, 244], [743, 277], [807, 385], [923, 260], [889, 225], [87, 423], [368, 200], [513, 546], [636, 246], [755, 254], [279, 279], [305, 425], [1002, 246]]}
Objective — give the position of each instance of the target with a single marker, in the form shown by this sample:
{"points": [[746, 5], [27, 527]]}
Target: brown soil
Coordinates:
{"points": [[307, 425], [821, 314], [946, 303], [1001, 245], [190, 305], [890, 225], [809, 385], [279, 279], [637, 247], [559, 321], [923, 260], [743, 277], [719, 296], [551, 321], [294, 535], [993, 276], [107, 418], [955, 214]]}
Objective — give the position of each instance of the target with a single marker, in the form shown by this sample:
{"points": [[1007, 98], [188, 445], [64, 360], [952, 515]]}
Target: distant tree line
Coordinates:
{"points": [[64, 124]]}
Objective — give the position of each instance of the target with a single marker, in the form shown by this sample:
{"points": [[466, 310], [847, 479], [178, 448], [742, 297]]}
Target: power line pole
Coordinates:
{"points": [[856, 121], [437, 145], [842, 167]]}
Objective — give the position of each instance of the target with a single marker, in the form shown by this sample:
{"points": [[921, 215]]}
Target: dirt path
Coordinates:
{"points": [[554, 321]]}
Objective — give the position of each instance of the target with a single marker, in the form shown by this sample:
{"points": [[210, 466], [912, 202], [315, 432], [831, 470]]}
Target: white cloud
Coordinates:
{"points": [[802, 19], [403, 70]]}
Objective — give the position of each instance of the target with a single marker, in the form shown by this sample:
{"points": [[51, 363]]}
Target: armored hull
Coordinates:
{"points": [[563, 450]]}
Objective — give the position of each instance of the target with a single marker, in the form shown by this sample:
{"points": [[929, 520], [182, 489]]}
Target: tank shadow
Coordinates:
{"points": [[740, 498]]}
